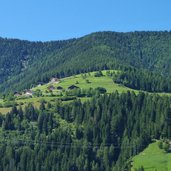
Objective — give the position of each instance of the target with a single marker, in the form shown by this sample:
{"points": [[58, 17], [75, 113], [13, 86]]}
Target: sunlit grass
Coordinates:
{"points": [[153, 159]]}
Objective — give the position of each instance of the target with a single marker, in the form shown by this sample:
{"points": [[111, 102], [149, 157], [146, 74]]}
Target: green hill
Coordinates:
{"points": [[25, 63], [84, 82]]}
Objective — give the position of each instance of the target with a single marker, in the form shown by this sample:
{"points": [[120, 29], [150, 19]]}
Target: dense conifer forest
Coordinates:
{"points": [[100, 134], [144, 80]]}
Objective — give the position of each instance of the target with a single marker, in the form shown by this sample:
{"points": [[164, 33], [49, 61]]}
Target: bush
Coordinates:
{"points": [[98, 74], [160, 144], [101, 90], [81, 95], [166, 147], [68, 98], [88, 82]]}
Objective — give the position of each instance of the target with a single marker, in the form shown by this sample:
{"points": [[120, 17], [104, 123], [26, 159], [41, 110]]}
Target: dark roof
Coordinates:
{"points": [[54, 79], [29, 91], [59, 88], [17, 94], [72, 87], [51, 87]]}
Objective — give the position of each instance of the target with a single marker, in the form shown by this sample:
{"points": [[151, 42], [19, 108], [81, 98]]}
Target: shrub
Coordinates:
{"points": [[101, 90], [166, 147], [98, 74], [68, 98], [160, 144]]}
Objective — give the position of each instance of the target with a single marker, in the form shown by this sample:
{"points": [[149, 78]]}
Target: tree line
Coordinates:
{"points": [[144, 80]]}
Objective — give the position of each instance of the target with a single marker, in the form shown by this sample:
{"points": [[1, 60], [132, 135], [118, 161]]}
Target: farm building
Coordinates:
{"points": [[72, 87], [54, 80], [29, 93], [16, 94], [59, 88], [51, 88]]}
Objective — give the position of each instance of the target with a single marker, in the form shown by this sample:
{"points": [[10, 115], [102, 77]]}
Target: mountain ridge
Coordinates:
{"points": [[100, 50]]}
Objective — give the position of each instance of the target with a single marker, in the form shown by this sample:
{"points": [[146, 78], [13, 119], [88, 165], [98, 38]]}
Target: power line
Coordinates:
{"points": [[5, 136], [61, 144]]}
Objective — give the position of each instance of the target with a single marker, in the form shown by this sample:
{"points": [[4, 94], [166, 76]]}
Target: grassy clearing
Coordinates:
{"points": [[153, 159], [5, 110], [36, 102], [83, 81], [94, 82]]}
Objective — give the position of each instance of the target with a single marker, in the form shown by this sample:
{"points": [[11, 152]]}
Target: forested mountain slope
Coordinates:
{"points": [[106, 129], [101, 134], [25, 63]]}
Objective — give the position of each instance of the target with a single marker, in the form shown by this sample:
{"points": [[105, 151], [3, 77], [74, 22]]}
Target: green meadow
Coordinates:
{"points": [[83, 81], [152, 159], [88, 80]]}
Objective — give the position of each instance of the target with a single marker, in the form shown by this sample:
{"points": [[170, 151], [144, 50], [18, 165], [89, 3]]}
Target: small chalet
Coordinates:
{"points": [[54, 80], [51, 88], [59, 88], [16, 94], [29, 93], [72, 87], [40, 83]]}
